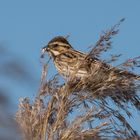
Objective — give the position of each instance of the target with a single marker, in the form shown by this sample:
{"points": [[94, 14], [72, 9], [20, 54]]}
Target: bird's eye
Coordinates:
{"points": [[55, 45]]}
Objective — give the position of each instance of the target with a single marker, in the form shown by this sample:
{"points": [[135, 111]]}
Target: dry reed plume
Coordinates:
{"points": [[81, 109]]}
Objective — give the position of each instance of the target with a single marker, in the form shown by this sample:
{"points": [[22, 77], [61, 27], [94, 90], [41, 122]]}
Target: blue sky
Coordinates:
{"points": [[26, 26]]}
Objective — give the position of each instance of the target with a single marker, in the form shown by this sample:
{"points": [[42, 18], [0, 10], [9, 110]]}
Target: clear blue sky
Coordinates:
{"points": [[26, 26]]}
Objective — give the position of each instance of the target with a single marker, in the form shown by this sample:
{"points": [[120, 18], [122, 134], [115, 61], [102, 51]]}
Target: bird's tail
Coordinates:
{"points": [[127, 74]]}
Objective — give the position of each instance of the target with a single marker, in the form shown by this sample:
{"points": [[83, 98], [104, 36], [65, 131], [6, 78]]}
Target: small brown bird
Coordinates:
{"points": [[70, 62], [92, 77]]}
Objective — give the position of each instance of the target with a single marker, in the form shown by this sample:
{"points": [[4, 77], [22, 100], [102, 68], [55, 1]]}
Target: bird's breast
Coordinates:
{"points": [[68, 65]]}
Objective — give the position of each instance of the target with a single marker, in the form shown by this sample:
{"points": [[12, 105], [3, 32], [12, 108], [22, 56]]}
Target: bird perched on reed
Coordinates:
{"points": [[72, 63], [92, 76]]}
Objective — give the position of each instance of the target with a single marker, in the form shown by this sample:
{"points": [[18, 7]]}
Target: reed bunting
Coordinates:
{"points": [[72, 63]]}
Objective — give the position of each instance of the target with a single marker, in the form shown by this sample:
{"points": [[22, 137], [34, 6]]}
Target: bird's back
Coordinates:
{"points": [[74, 63]]}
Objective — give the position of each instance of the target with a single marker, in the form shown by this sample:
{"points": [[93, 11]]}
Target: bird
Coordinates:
{"points": [[73, 63]]}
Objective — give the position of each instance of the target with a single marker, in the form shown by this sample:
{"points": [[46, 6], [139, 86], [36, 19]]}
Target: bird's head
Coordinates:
{"points": [[57, 46]]}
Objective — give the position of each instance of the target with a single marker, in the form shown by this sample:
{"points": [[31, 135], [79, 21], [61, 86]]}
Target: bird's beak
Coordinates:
{"points": [[44, 50]]}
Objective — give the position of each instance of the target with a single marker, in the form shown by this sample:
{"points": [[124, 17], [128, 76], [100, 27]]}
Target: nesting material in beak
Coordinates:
{"points": [[43, 50]]}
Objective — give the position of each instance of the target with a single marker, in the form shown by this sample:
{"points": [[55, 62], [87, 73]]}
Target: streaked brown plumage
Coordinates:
{"points": [[70, 62]]}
